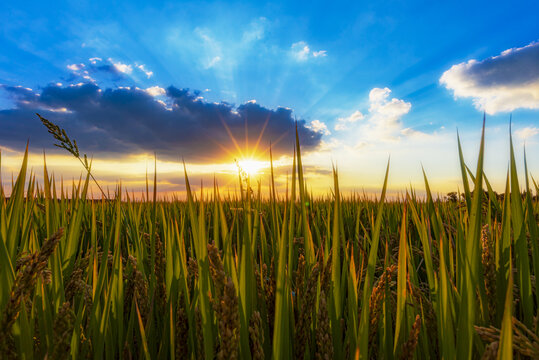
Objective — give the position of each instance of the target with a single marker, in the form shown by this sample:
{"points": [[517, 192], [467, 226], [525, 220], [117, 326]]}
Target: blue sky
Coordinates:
{"points": [[365, 79]]}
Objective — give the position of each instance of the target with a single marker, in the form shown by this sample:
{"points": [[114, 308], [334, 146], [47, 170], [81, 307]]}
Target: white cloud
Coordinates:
{"points": [[155, 91], [527, 132], [319, 127], [75, 67], [302, 52], [94, 60], [25, 88], [123, 68], [385, 115], [331, 145], [60, 110], [377, 96], [382, 123], [342, 123], [164, 105], [89, 78], [213, 62], [385, 110], [144, 70], [416, 135], [500, 83]]}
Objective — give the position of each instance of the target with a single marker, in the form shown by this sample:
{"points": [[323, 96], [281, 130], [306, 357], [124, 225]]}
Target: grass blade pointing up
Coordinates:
{"points": [[369, 278], [505, 350], [401, 285], [468, 306], [522, 261]]}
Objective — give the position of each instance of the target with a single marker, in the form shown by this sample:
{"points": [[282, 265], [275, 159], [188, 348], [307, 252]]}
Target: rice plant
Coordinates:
{"points": [[267, 276]]}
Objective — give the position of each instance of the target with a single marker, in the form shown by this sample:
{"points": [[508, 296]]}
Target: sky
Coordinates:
{"points": [[215, 83]]}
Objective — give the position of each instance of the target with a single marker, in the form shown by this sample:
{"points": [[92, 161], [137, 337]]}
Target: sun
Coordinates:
{"points": [[251, 167]]}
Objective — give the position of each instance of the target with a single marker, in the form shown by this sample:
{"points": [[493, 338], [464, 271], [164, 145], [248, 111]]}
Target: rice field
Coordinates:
{"points": [[267, 275]]}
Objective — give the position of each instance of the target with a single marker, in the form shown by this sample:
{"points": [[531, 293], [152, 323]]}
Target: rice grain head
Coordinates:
{"points": [[324, 342], [408, 348]]}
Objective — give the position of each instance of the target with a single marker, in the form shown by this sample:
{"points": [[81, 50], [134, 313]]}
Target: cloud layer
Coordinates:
{"points": [[500, 83], [172, 122]]}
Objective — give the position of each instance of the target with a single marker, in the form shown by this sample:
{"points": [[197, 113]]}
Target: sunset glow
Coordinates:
{"points": [[252, 167]]}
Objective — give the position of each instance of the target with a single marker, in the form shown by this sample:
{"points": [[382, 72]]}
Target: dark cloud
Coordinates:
{"points": [[103, 69], [500, 83], [131, 120], [20, 94], [513, 67], [107, 68]]}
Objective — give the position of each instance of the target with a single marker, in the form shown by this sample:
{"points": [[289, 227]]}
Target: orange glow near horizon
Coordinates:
{"points": [[251, 166], [131, 171]]}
